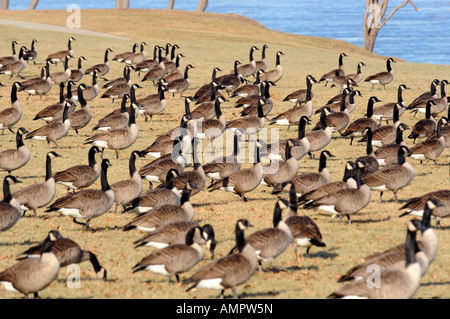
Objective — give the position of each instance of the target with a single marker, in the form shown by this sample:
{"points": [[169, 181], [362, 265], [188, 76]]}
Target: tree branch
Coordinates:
{"points": [[395, 10]]}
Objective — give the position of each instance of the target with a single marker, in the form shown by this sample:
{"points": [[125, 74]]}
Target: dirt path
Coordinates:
{"points": [[55, 28]]}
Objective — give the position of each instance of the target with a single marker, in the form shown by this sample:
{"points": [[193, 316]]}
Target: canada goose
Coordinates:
{"points": [[206, 110], [62, 76], [440, 102], [293, 115], [305, 232], [9, 207], [386, 134], [53, 131], [68, 253], [224, 166], [358, 77], [431, 148], [187, 125], [146, 65], [416, 206], [424, 127], [213, 128], [357, 128], [249, 125], [424, 97], [276, 150], [330, 187], [395, 283], [10, 58], [87, 204], [387, 154], [269, 243], [382, 78], [131, 96], [167, 57], [169, 195], [80, 118], [370, 160], [31, 275], [229, 271], [177, 73], [170, 62], [119, 89], [250, 68], [249, 89], [41, 86], [334, 103], [91, 92], [251, 100], [344, 202], [321, 138], [156, 171], [127, 190], [136, 57], [77, 74], [180, 85], [31, 55], [14, 68], [174, 259], [299, 97], [163, 215], [242, 181], [102, 67], [350, 105], [165, 147], [342, 82], [12, 159], [121, 80], [328, 77], [40, 194], [175, 233], [118, 139], [337, 121], [276, 74], [61, 55], [283, 170], [262, 64], [393, 177], [34, 79], [197, 175], [55, 111], [267, 106], [152, 105], [80, 176], [204, 90], [121, 56], [116, 121], [230, 82], [307, 182], [157, 72], [10, 116], [385, 112]]}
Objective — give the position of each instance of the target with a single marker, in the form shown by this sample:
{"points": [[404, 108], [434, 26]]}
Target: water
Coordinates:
{"points": [[413, 36]]}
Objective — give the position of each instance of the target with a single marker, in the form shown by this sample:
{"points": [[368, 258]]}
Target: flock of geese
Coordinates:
{"points": [[166, 213]]}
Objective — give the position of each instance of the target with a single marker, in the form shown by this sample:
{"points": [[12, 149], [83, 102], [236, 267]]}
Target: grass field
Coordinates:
{"points": [[208, 41]]}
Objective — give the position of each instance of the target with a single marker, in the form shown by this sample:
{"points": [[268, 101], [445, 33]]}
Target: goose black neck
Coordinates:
{"points": [[47, 70], [132, 115], [80, 93], [410, 247], [428, 110], [69, 90], [241, 242], [399, 136], [347, 173], [439, 128], [277, 215], [194, 154], [257, 156], [308, 91], [94, 78], [396, 116], [351, 98], [169, 181], [187, 109], [48, 168], [342, 105], [161, 95], [358, 69], [301, 128], [443, 89], [323, 120], [19, 139], [61, 92], [104, 178], [287, 151], [212, 91], [433, 89], [235, 145], [69, 44], [123, 105], [399, 95], [186, 70], [13, 44], [91, 157], [388, 65], [66, 63], [426, 217], [177, 61], [322, 162], [369, 148], [106, 56], [236, 73], [172, 52], [214, 75], [14, 93], [401, 156], [266, 90], [6, 191], [185, 196], [278, 59], [341, 60], [132, 164], [155, 53], [217, 109], [190, 236], [251, 54], [293, 197], [260, 109], [65, 113], [357, 176], [79, 63], [264, 52]]}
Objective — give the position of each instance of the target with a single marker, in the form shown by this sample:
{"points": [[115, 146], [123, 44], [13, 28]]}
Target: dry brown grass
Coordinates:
{"points": [[205, 45]]}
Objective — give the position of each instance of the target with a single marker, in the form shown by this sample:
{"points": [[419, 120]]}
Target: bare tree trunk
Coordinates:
{"points": [[171, 4], [202, 4], [5, 5], [374, 19], [122, 4], [33, 4]]}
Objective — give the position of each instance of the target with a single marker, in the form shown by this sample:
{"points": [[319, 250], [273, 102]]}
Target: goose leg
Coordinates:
{"points": [[381, 195]]}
